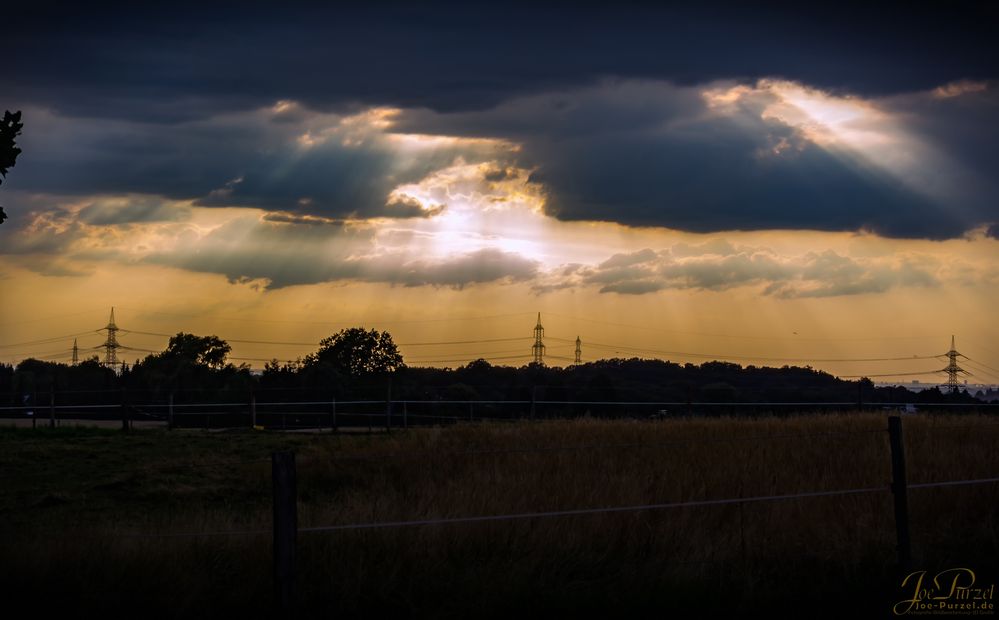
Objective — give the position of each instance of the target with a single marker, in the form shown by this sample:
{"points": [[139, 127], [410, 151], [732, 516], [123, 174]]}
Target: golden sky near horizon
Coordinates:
{"points": [[484, 254]]}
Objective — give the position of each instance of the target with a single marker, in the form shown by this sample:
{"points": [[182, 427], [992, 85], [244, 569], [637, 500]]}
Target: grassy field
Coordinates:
{"points": [[77, 507]]}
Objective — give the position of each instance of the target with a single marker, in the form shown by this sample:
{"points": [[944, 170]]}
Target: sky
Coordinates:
{"points": [[706, 181]]}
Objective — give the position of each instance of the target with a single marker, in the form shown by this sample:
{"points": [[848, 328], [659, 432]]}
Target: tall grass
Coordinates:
{"points": [[815, 554]]}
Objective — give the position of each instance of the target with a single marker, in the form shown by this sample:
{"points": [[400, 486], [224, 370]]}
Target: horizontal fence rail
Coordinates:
{"points": [[371, 415]]}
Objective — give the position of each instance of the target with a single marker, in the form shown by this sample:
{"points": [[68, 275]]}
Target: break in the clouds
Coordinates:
{"points": [[457, 146], [278, 254], [493, 232], [715, 157]]}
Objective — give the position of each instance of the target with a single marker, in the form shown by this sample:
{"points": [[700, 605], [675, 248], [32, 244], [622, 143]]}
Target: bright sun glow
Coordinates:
{"points": [[476, 207], [829, 120]]}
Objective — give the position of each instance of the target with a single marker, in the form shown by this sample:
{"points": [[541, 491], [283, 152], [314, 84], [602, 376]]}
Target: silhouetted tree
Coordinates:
{"points": [[357, 352], [189, 362], [208, 351], [10, 127]]}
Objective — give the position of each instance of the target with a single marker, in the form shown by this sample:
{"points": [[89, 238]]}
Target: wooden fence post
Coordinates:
{"points": [[899, 488], [170, 412], [405, 415], [388, 407], [253, 409], [124, 410], [285, 529], [333, 427], [52, 421], [533, 398]]}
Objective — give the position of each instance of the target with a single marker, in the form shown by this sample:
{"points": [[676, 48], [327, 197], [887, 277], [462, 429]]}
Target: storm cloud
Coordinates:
{"points": [[278, 158], [691, 118], [190, 60], [726, 156]]}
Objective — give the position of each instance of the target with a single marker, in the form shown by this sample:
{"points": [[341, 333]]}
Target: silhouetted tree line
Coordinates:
{"points": [[365, 364]]}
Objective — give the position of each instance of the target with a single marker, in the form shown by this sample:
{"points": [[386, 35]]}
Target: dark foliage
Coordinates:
{"points": [[10, 127], [365, 364], [356, 352]]}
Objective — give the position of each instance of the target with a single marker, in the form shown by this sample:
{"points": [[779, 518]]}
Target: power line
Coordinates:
{"points": [[36, 353], [334, 322], [316, 344], [137, 349], [744, 357], [261, 359], [52, 318], [980, 364], [892, 374], [562, 357], [975, 366], [420, 344], [736, 336], [51, 340], [417, 358], [472, 359]]}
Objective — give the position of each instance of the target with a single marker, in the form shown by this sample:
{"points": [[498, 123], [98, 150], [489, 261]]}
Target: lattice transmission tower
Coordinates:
{"points": [[953, 370], [76, 353], [111, 345], [538, 348], [579, 352]]}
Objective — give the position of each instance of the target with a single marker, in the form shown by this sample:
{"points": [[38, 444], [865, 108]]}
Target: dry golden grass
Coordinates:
{"points": [[835, 552]]}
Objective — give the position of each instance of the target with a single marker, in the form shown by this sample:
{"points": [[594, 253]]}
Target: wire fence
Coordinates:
{"points": [[389, 414], [285, 524], [569, 513]]}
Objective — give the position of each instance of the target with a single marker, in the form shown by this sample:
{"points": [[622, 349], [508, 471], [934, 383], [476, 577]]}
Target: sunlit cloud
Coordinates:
{"points": [[773, 154], [860, 132], [718, 265], [399, 197], [828, 120], [959, 88], [493, 231]]}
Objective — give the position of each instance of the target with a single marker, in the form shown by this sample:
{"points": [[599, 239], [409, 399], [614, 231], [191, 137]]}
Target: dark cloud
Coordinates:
{"points": [[605, 103], [187, 60], [306, 162], [720, 183], [960, 119], [656, 154], [638, 153], [308, 220], [993, 231]]}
